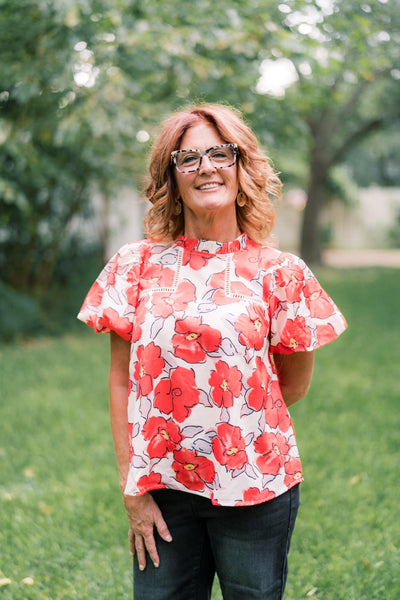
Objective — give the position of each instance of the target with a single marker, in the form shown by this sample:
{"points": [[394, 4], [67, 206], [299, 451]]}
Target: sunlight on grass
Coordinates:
{"points": [[64, 533]]}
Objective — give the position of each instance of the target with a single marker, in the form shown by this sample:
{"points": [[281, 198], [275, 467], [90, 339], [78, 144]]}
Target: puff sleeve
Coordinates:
{"points": [[111, 301], [302, 315]]}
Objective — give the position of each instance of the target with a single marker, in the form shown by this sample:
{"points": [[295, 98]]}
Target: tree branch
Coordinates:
{"points": [[356, 137], [351, 103]]}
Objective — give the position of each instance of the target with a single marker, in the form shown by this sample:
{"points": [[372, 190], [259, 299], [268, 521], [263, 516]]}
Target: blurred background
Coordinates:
{"points": [[84, 85], [83, 88]]}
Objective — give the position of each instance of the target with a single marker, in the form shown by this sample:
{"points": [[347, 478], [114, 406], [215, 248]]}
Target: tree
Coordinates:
{"points": [[52, 147], [345, 55], [82, 86]]}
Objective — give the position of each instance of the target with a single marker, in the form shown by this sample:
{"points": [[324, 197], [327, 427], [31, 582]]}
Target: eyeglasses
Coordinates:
{"points": [[189, 161]]}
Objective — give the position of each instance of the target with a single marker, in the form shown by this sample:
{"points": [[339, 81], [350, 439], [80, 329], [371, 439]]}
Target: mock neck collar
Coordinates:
{"points": [[212, 247]]}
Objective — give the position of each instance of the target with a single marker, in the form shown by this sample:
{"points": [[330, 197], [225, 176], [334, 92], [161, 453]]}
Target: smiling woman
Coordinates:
{"points": [[213, 335]]}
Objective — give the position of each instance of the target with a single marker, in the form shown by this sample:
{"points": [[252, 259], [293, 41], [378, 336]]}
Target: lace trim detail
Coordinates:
{"points": [[227, 287]]}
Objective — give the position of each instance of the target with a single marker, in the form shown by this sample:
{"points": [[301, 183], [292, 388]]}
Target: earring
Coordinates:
{"points": [[178, 207], [241, 199]]}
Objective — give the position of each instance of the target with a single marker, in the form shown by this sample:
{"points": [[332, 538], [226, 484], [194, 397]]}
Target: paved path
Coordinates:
{"points": [[362, 258]]}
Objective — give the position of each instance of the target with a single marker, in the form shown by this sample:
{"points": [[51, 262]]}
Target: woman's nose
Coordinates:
{"points": [[206, 165]]}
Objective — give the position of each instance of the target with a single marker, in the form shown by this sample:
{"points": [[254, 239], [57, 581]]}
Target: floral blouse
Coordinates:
{"points": [[205, 410]]}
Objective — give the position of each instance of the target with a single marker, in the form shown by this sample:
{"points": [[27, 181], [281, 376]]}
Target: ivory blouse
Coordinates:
{"points": [[205, 410]]}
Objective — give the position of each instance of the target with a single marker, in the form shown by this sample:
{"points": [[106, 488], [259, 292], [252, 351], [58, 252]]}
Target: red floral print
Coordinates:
{"points": [[236, 291], [192, 470], [253, 328], [229, 447], [295, 336], [192, 339], [94, 296], [220, 298], [132, 295], [164, 436], [317, 301], [178, 394], [155, 276], [274, 450], [276, 412], [111, 320], [138, 320], [148, 366], [166, 303], [255, 496], [226, 383], [149, 482], [293, 472], [247, 263], [292, 279], [325, 333], [197, 259], [132, 275], [111, 277], [258, 381]]}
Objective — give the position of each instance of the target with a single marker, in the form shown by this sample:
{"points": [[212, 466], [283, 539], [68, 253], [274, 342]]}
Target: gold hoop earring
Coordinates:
{"points": [[241, 199], [178, 207]]}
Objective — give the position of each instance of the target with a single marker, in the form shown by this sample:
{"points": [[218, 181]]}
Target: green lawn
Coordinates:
{"points": [[61, 518]]}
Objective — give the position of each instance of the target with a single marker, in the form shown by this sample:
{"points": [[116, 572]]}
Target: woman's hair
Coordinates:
{"points": [[257, 180]]}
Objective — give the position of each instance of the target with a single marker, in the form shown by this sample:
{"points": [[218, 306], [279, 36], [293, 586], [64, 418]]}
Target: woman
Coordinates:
{"points": [[212, 338]]}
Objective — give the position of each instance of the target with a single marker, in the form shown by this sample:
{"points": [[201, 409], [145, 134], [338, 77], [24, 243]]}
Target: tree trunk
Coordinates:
{"points": [[322, 157], [310, 244]]}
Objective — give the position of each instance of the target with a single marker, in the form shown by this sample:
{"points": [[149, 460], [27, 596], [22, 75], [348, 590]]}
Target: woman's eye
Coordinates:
{"points": [[189, 158]]}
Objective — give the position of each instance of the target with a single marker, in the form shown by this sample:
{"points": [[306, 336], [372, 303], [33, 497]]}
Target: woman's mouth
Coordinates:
{"points": [[209, 186]]}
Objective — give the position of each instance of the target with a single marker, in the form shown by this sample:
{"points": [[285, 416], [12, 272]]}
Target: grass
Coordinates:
{"points": [[62, 520]]}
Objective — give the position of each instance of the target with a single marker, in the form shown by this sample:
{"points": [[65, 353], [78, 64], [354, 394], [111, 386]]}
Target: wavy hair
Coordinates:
{"points": [[258, 183]]}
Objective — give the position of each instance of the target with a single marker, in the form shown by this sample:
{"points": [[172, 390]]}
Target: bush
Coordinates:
{"points": [[51, 311], [20, 314]]}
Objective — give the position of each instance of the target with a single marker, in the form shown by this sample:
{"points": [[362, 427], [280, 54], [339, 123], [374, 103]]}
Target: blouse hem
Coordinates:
{"points": [[232, 504]]}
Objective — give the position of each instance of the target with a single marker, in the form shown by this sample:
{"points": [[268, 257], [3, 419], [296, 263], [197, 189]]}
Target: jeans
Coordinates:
{"points": [[246, 546]]}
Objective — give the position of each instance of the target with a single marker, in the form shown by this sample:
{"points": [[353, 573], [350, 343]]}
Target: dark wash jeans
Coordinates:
{"points": [[246, 546]]}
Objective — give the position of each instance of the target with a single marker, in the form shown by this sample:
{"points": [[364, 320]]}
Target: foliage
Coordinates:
{"points": [[63, 522], [346, 56], [83, 86], [57, 139], [376, 160], [79, 86], [21, 314]]}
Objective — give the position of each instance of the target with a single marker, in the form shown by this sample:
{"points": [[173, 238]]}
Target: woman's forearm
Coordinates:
{"points": [[119, 428], [118, 382], [294, 374]]}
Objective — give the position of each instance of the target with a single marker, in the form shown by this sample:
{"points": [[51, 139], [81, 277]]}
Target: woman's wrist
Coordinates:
{"points": [[122, 484]]}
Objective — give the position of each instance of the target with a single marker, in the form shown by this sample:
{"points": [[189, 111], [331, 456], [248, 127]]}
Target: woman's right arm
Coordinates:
{"points": [[118, 382], [143, 513]]}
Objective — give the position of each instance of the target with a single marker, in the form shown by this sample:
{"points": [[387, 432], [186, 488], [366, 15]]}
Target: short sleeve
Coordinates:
{"points": [[302, 315], [111, 301]]}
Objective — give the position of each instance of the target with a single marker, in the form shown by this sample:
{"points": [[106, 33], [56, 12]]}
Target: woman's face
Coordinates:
{"points": [[208, 191]]}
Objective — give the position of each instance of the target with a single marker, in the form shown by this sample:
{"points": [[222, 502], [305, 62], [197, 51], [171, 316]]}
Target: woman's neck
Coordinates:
{"points": [[214, 230]]}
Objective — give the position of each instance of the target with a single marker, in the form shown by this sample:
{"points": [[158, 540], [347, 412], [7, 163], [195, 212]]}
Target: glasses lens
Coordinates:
{"points": [[223, 156], [188, 161]]}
